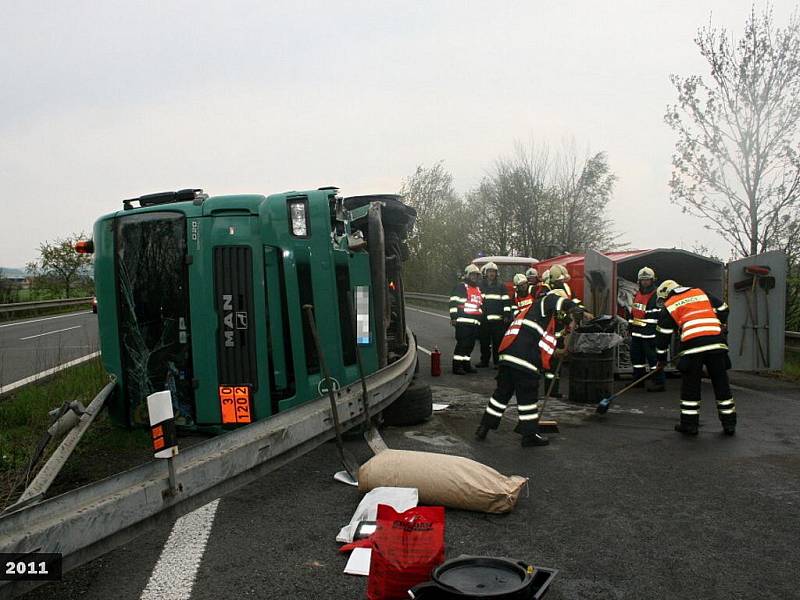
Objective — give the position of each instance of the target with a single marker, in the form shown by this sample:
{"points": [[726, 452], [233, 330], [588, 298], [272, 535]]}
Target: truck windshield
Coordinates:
{"points": [[153, 306]]}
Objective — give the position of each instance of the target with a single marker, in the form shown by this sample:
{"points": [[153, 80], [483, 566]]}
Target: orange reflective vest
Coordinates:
{"points": [[693, 313], [522, 302], [474, 304], [640, 300]]}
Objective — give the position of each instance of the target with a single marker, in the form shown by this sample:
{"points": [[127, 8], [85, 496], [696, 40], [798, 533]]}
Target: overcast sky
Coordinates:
{"points": [[101, 101]]}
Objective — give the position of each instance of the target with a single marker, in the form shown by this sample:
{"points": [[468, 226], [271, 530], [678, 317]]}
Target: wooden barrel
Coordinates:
{"points": [[591, 376]]}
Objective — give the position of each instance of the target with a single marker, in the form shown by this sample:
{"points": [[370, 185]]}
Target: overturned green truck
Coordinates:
{"points": [[203, 296]]}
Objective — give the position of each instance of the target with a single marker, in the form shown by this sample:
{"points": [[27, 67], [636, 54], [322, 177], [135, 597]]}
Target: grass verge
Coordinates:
{"points": [[104, 450], [791, 364]]}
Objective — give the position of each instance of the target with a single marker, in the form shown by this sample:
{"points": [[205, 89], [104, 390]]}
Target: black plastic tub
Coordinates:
{"points": [[485, 578]]}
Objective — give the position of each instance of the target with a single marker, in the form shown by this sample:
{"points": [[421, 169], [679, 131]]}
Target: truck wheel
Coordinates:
{"points": [[412, 408]]}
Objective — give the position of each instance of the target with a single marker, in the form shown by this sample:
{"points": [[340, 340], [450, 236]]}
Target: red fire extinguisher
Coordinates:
{"points": [[436, 362]]}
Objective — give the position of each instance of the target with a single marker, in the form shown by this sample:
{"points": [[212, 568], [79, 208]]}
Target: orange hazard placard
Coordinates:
{"points": [[235, 404]]}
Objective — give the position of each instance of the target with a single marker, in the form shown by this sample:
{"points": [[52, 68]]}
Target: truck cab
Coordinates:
{"points": [[203, 296]]}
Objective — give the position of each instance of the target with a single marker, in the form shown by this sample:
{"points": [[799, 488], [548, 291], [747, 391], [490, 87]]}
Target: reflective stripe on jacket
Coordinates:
{"points": [[466, 304], [693, 314]]}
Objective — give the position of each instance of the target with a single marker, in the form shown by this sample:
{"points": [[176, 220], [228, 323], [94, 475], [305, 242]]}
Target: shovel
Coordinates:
{"points": [[371, 435], [348, 460]]}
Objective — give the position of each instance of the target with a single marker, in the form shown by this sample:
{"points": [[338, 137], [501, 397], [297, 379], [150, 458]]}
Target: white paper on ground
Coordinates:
{"points": [[358, 563], [399, 498], [437, 406], [345, 477]]}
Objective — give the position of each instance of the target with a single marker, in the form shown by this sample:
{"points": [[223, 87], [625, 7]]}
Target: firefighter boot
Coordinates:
{"points": [[728, 424], [687, 426], [534, 439], [655, 386], [483, 364], [481, 432]]}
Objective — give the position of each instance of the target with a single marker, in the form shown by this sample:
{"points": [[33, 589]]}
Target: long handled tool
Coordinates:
{"points": [[747, 286], [371, 434], [551, 425], [547, 425], [602, 406], [760, 275], [348, 460], [767, 283]]}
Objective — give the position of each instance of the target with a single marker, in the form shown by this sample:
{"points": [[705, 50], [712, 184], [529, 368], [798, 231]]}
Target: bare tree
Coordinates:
{"points": [[440, 245], [583, 190], [736, 161], [549, 202]]}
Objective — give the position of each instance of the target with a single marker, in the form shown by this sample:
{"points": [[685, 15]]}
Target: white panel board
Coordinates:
{"points": [[758, 315]]}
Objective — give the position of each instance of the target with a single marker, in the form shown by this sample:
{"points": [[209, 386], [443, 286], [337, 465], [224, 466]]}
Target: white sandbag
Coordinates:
{"points": [[452, 481], [399, 498]]}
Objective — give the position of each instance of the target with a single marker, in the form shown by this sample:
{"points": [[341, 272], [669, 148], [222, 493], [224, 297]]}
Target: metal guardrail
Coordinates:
{"points": [[792, 337], [22, 306], [88, 522], [793, 340], [426, 297]]}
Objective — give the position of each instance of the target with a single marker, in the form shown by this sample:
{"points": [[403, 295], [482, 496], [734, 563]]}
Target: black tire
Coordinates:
{"points": [[412, 408]]}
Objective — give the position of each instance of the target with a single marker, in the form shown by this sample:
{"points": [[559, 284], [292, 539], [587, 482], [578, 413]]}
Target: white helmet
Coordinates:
{"points": [[531, 273], [519, 279], [665, 288], [470, 268], [546, 276], [558, 274], [646, 273], [488, 266]]}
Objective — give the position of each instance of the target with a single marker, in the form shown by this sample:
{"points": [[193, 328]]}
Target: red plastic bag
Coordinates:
{"points": [[406, 547]]}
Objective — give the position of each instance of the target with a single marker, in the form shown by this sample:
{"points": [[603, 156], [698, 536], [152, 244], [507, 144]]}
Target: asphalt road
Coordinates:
{"points": [[622, 505], [33, 345]]}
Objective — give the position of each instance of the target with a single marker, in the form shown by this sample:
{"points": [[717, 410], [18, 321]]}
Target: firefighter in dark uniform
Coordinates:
{"points": [[466, 312], [496, 314], [522, 294], [526, 352], [558, 278], [699, 319], [642, 327]]}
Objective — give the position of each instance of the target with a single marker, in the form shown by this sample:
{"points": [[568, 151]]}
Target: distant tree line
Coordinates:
{"points": [[536, 202], [59, 272]]}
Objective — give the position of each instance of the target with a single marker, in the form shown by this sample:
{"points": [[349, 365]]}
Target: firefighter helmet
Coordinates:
{"points": [[470, 268], [646, 273], [531, 273], [488, 266], [558, 274], [519, 279], [665, 288], [546, 276]]}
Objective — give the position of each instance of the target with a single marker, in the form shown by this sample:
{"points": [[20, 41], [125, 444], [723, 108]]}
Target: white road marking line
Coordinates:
{"points": [[30, 337], [176, 570], [75, 314], [425, 350], [428, 313], [47, 373]]}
